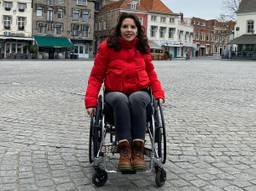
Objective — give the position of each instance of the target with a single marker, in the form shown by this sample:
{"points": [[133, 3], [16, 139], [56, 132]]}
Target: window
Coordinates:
{"points": [[50, 2], [76, 49], [58, 29], [75, 29], [81, 50], [162, 32], [7, 21], [104, 25], [85, 30], [8, 48], [75, 14], [171, 32], [19, 48], [81, 2], [7, 5], [250, 26], [50, 14], [163, 19], [21, 23], [153, 31], [39, 12], [172, 20], [133, 5], [59, 2], [13, 49], [60, 13], [22, 7], [190, 37], [153, 18], [85, 15], [186, 36], [42, 27], [180, 35], [96, 26]]}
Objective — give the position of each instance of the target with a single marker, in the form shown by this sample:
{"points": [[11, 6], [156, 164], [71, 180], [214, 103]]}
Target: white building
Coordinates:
{"points": [[245, 36], [15, 28], [172, 32]]}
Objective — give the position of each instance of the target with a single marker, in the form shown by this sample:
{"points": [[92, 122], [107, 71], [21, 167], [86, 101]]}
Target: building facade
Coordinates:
{"points": [[70, 19], [211, 36], [244, 44], [16, 28]]}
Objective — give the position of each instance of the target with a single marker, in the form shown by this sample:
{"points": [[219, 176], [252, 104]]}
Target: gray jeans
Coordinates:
{"points": [[129, 113]]}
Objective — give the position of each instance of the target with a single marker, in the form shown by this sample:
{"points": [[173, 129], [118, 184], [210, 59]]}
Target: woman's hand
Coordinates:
{"points": [[161, 101], [91, 111]]}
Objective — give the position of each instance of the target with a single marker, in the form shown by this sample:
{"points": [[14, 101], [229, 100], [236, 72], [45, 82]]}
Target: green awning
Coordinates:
{"points": [[53, 42]]}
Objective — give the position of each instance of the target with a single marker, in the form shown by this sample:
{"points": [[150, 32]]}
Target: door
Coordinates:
{"points": [[83, 50]]}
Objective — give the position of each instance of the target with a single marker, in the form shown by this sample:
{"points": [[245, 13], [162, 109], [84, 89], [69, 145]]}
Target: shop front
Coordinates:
{"points": [[50, 47], [14, 47]]}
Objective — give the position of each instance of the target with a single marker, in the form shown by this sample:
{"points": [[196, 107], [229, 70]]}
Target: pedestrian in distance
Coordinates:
{"points": [[124, 64]]}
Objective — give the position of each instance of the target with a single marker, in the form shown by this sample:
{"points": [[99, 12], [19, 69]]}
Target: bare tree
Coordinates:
{"points": [[230, 8]]}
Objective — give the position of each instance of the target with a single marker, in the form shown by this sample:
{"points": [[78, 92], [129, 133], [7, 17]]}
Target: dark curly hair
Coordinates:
{"points": [[142, 44]]}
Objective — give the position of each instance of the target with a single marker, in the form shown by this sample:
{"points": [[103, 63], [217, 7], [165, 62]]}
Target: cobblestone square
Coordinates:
{"points": [[210, 115]]}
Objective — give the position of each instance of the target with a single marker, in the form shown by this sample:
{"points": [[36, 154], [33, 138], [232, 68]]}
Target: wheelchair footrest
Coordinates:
{"points": [[129, 172], [109, 148]]}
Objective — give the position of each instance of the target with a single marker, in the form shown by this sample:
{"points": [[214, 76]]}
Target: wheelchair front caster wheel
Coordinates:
{"points": [[160, 176], [100, 178]]}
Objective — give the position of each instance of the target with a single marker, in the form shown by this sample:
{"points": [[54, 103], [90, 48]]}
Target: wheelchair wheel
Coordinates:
{"points": [[95, 131], [100, 177], [160, 139], [160, 176]]}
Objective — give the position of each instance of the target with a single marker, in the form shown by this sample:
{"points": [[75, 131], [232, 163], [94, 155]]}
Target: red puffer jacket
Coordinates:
{"points": [[126, 71]]}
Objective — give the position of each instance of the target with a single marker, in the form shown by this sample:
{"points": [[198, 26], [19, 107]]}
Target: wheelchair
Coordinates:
{"points": [[103, 143]]}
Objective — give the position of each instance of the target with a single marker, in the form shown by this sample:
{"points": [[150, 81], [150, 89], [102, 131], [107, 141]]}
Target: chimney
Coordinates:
{"points": [[181, 17]]}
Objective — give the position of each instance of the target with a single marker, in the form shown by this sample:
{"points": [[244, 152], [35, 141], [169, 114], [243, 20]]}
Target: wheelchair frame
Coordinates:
{"points": [[98, 148]]}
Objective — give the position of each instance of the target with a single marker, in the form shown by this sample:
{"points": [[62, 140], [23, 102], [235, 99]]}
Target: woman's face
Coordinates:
{"points": [[128, 29]]}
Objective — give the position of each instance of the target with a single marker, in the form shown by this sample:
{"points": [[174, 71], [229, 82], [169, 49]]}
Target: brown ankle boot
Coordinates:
{"points": [[138, 155], [125, 156]]}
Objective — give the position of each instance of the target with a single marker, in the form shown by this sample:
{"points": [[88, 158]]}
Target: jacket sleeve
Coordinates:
{"points": [[155, 84], [97, 76]]}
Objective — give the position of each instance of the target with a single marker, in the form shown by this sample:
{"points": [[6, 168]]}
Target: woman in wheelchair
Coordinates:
{"points": [[124, 64]]}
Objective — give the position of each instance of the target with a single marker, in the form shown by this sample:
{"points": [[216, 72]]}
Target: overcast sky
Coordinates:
{"points": [[205, 9]]}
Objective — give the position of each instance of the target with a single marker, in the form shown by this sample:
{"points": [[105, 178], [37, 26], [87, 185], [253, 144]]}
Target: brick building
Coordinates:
{"points": [[70, 24]]}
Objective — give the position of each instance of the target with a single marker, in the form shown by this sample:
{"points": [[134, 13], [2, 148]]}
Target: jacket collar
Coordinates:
{"points": [[127, 44]]}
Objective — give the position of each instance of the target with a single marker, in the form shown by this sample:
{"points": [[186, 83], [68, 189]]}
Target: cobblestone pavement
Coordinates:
{"points": [[210, 116]]}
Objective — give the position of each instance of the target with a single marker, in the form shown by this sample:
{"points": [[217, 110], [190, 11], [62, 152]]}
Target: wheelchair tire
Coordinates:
{"points": [[94, 141], [160, 133], [95, 131], [160, 176], [100, 178], [91, 157]]}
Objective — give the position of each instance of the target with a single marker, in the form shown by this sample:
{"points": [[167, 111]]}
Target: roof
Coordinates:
{"points": [[53, 42], [247, 6], [156, 6], [245, 39]]}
